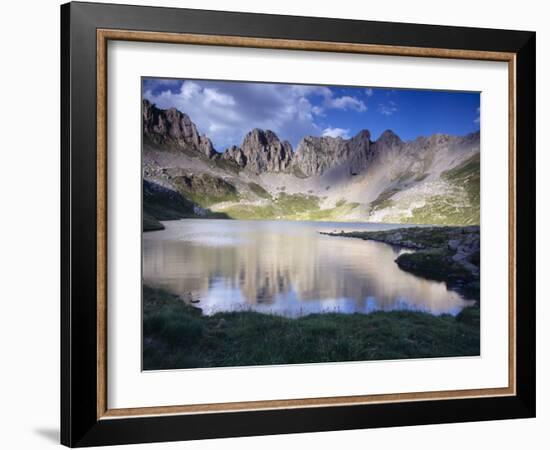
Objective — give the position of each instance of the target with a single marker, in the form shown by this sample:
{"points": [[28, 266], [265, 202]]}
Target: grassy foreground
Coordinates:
{"points": [[178, 335]]}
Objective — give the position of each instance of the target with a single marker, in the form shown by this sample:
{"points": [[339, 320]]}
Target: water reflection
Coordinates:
{"points": [[285, 268]]}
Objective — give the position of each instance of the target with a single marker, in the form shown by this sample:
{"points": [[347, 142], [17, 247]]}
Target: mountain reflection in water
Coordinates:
{"points": [[285, 268]]}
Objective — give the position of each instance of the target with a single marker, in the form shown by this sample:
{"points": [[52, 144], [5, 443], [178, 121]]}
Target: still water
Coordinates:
{"points": [[285, 268]]}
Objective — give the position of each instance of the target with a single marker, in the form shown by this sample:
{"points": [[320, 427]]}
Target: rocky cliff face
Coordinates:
{"points": [[171, 126], [429, 180], [262, 151], [235, 154], [316, 155]]}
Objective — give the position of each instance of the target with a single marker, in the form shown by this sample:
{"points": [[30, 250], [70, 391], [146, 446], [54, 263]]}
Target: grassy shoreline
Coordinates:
{"points": [[177, 335]]}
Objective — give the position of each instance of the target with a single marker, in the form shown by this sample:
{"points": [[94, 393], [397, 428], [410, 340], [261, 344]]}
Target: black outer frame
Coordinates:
{"points": [[79, 424]]}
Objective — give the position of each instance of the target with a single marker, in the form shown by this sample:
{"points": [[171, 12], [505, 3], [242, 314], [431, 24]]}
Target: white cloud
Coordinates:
{"points": [[345, 102], [336, 132], [213, 96], [226, 111], [477, 119], [188, 89], [318, 111], [369, 92], [387, 109]]}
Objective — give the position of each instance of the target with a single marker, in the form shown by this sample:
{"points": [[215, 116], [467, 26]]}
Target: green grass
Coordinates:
{"points": [[160, 203], [384, 199], [150, 223], [467, 175], [205, 190], [437, 264], [297, 203], [458, 206], [421, 177], [341, 210], [206, 200], [164, 204], [434, 264], [443, 210], [259, 191], [284, 206], [177, 335], [405, 176], [466, 169], [291, 207], [252, 212]]}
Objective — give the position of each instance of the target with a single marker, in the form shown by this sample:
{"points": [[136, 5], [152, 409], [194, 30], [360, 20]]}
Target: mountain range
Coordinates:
{"points": [[429, 180]]}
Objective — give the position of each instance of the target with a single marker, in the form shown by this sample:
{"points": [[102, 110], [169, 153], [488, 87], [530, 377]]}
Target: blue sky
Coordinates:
{"points": [[225, 110]]}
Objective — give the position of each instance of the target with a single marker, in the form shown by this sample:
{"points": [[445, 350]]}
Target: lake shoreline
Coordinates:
{"points": [[287, 268], [150, 223], [440, 253], [177, 335]]}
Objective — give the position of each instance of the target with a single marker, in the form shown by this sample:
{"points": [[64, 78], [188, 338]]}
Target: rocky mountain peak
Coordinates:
{"points": [[263, 151], [438, 138], [363, 135], [174, 127], [472, 138], [316, 155], [262, 138], [389, 139], [235, 154]]}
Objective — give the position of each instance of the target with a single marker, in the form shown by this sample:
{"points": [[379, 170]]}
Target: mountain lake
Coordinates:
{"points": [[286, 268]]}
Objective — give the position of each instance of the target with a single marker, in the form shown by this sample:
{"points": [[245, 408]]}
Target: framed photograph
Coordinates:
{"points": [[276, 224]]}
